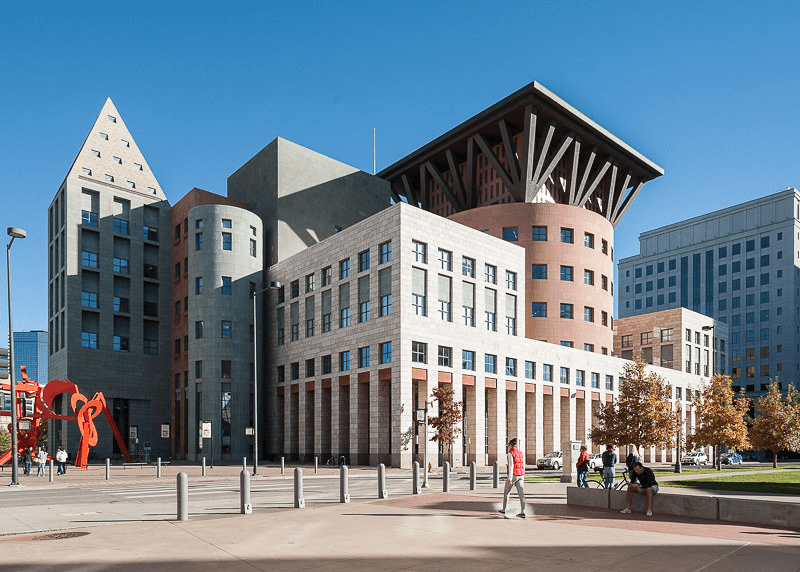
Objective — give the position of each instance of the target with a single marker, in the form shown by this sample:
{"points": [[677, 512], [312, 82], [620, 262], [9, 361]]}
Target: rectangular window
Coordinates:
{"points": [[530, 370], [539, 271], [588, 314], [227, 241], [310, 279], [445, 260], [490, 363], [588, 240], [539, 234], [588, 277], [547, 372], [445, 356], [610, 383], [385, 253], [564, 375], [344, 361], [567, 235], [294, 370], [511, 367], [510, 234], [310, 368], [344, 269], [491, 274], [327, 276], [539, 309], [226, 329], [420, 252], [326, 364], [226, 285], [468, 267], [419, 352], [198, 329], [225, 368], [566, 273], [198, 241], [198, 369], [580, 378], [511, 280], [198, 285], [363, 261], [595, 380], [468, 360], [253, 248], [386, 352], [566, 311]]}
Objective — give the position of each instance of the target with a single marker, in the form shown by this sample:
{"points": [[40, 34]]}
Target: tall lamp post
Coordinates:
{"points": [[678, 468], [13, 233], [272, 286], [713, 367]]}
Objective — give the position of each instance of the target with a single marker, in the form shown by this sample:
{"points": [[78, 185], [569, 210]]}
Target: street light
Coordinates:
{"points": [[713, 368], [678, 468], [13, 233], [272, 286]]}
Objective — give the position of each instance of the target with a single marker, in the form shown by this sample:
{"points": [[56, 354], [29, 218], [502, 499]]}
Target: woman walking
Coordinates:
{"points": [[515, 475]]}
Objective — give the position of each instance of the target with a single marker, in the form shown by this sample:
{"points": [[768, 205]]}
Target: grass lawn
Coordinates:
{"points": [[725, 468], [786, 483]]}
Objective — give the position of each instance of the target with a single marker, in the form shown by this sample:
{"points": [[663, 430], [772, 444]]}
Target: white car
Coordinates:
{"points": [[596, 461], [695, 458], [552, 460]]}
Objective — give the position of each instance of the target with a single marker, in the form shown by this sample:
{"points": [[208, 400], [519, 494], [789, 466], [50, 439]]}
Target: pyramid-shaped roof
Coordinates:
{"points": [[111, 157]]}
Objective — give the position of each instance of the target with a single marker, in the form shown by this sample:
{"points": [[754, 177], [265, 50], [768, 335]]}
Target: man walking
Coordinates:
{"points": [[61, 457], [647, 486], [41, 459], [515, 475]]}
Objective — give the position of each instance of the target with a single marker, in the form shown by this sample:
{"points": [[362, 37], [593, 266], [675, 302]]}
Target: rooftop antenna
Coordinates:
{"points": [[373, 150]]}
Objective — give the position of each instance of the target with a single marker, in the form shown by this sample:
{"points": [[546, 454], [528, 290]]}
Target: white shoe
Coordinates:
{"points": [[649, 513], [625, 511]]}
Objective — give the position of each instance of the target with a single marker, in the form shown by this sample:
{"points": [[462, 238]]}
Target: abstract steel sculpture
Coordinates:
{"points": [[43, 397]]}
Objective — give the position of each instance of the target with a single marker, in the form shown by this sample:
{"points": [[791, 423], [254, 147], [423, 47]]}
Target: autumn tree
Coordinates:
{"points": [[719, 417], [5, 440], [447, 426], [776, 425], [641, 415]]}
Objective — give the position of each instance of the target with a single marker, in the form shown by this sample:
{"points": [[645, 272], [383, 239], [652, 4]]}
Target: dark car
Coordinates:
{"points": [[731, 459]]}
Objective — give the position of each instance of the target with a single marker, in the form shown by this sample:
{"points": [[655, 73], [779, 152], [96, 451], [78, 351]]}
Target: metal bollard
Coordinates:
{"points": [[446, 477], [158, 468], [244, 463], [282, 465], [108, 469], [203, 473], [382, 493], [496, 475], [244, 492], [344, 486], [472, 478], [415, 478], [316, 464], [299, 501], [183, 496], [50, 475]]}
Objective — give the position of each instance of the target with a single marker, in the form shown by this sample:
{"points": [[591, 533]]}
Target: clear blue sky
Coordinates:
{"points": [[708, 90]]}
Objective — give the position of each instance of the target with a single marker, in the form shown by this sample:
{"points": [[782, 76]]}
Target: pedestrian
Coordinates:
{"points": [[515, 475], [41, 459], [27, 458], [609, 460], [61, 457], [647, 486], [630, 461], [583, 467]]}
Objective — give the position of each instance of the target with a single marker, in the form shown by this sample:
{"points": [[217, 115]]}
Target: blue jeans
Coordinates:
{"points": [[608, 477], [582, 480], [27, 467]]}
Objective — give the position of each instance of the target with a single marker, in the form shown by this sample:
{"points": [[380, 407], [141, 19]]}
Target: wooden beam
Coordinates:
{"points": [[437, 177], [495, 162], [623, 207], [511, 153], [595, 182], [576, 155], [528, 150], [458, 189]]}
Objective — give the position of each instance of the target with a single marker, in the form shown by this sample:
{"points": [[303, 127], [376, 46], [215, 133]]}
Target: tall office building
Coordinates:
{"points": [[739, 265], [109, 288], [30, 350]]}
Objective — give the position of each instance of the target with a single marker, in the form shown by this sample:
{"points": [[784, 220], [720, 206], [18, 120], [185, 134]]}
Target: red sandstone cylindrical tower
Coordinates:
{"points": [[569, 268]]}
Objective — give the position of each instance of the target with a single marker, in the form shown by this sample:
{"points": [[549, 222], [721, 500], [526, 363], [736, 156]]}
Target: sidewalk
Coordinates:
{"points": [[433, 531]]}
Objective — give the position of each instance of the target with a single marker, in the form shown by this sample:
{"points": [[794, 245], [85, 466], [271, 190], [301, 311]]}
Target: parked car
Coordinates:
{"points": [[695, 458], [731, 459], [552, 460], [596, 461]]}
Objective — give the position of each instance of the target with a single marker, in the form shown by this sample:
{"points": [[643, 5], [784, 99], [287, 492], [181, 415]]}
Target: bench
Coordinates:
{"points": [[724, 508]]}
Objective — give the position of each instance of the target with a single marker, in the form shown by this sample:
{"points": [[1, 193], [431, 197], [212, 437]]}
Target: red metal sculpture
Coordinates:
{"points": [[43, 397]]}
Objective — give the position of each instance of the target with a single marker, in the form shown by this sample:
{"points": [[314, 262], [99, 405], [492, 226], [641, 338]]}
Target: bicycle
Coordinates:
{"points": [[617, 485]]}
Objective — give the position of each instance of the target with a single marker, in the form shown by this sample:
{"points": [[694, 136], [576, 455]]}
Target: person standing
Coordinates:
{"points": [[515, 476], [583, 467], [609, 460], [27, 458], [61, 457], [41, 459]]}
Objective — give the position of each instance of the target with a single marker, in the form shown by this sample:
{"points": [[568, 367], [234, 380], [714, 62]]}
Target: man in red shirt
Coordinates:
{"points": [[515, 472]]}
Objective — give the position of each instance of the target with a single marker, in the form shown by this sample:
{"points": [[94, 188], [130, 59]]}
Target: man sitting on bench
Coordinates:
{"points": [[647, 486]]}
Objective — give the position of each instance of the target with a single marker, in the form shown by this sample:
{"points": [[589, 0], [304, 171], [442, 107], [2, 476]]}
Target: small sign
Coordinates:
{"points": [[206, 429], [134, 432], [165, 431], [419, 415], [24, 424], [249, 431]]}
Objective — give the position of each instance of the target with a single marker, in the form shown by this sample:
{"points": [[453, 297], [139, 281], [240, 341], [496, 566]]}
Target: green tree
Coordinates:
{"points": [[5, 441], [447, 426], [776, 425], [719, 417], [641, 415]]}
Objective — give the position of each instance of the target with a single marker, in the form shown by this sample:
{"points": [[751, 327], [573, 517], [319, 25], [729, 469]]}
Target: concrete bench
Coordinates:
{"points": [[724, 508]]}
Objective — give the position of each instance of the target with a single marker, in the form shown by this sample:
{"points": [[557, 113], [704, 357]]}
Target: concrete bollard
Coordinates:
{"points": [[344, 486], [496, 475], [382, 493], [108, 469], [415, 478], [203, 471], [446, 477], [50, 475], [282, 465], [244, 463], [158, 468], [472, 477], [299, 501], [316, 464], [244, 492], [183, 496]]}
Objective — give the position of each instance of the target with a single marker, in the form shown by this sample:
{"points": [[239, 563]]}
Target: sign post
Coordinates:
{"points": [[207, 434]]}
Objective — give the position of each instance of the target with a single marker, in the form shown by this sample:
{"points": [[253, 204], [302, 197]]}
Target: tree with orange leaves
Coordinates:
{"points": [[641, 415], [777, 424], [447, 425], [720, 419]]}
